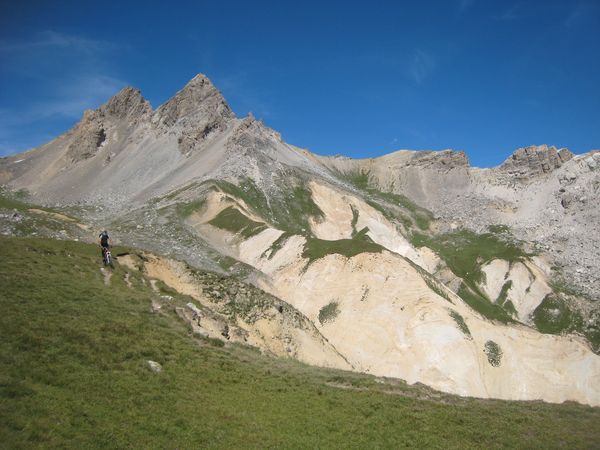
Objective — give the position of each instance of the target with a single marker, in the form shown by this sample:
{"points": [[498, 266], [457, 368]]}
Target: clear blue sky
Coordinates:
{"points": [[351, 77]]}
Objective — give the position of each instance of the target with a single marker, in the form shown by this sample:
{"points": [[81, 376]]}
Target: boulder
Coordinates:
{"points": [[566, 200], [154, 366]]}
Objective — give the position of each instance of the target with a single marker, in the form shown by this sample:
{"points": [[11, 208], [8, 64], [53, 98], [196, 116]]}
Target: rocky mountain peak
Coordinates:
{"points": [[199, 97], [535, 160], [127, 103]]}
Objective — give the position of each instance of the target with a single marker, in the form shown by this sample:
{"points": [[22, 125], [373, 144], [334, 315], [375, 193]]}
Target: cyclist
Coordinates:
{"points": [[104, 243]]}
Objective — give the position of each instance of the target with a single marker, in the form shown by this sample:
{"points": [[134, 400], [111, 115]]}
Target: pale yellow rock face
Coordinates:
{"points": [[337, 223], [390, 323], [528, 284], [274, 334]]}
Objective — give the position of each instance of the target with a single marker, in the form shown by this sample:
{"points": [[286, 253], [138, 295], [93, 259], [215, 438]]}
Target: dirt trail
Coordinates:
{"points": [[128, 281], [107, 276], [52, 214], [175, 275]]}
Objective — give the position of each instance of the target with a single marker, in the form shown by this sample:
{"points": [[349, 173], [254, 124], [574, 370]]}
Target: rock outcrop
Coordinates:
{"points": [[534, 160], [199, 97], [128, 105], [199, 111], [87, 137]]}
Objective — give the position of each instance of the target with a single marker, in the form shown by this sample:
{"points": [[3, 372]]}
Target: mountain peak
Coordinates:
{"points": [[199, 80], [198, 96], [127, 103]]}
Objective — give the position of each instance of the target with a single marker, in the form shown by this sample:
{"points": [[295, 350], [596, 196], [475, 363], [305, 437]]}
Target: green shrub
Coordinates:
{"points": [[493, 353], [328, 312], [554, 316]]}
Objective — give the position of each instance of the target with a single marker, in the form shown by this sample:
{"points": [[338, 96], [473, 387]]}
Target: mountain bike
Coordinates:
{"points": [[106, 257]]}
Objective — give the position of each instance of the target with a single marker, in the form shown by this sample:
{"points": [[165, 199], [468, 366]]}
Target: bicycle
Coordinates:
{"points": [[106, 257]]}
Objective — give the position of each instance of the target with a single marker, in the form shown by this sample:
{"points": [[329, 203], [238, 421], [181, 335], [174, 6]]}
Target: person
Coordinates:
{"points": [[104, 242]]}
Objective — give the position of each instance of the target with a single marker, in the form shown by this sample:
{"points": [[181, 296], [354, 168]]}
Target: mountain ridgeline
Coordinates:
{"points": [[413, 265]]}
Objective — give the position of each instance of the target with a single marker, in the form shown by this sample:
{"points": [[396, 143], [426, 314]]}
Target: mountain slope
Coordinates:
{"points": [[370, 251], [75, 374]]}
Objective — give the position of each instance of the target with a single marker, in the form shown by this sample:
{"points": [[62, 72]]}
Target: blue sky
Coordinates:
{"points": [[338, 77]]}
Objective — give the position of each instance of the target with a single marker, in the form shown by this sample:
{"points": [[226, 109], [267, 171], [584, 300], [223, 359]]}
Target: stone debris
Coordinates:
{"points": [[154, 366]]}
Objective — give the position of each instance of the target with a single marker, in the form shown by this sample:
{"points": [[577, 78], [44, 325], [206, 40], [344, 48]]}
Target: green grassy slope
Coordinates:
{"points": [[73, 355], [465, 253]]}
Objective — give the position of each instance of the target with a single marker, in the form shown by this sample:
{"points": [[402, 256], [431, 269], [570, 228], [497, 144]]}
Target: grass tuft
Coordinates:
{"points": [[460, 321]]}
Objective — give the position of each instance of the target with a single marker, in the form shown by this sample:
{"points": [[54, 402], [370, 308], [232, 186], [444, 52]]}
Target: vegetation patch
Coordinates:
{"points": [[465, 252], [226, 262], [554, 316], [233, 220], [354, 220], [277, 244], [482, 304], [435, 286], [184, 210], [8, 201], [360, 243], [498, 229], [365, 293], [493, 353], [328, 312], [20, 201], [507, 305], [559, 313], [560, 286], [460, 321], [504, 292], [175, 193], [421, 217], [286, 212]]}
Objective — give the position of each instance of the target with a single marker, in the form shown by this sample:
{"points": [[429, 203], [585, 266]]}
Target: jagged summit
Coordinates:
{"points": [[198, 97], [127, 103]]}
